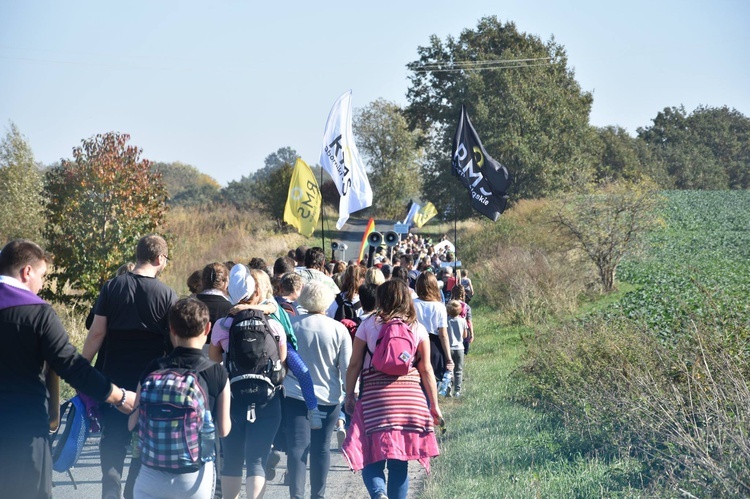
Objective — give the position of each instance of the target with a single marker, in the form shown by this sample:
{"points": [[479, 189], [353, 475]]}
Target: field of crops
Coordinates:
{"points": [[697, 266]]}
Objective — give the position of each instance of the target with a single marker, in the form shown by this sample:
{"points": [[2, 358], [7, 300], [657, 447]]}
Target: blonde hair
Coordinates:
{"points": [[454, 308], [263, 282], [374, 276]]}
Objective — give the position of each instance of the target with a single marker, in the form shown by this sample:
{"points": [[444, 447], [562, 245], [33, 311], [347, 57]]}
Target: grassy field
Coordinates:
{"points": [[498, 445]]}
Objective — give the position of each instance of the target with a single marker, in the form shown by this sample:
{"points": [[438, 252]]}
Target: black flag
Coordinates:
{"points": [[486, 179]]}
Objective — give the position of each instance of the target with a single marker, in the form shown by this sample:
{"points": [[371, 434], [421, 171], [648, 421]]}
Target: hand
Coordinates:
{"points": [[350, 401], [129, 404], [437, 415], [449, 365], [471, 339]]}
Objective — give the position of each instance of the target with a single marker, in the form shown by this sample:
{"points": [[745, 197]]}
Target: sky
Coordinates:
{"points": [[221, 85]]}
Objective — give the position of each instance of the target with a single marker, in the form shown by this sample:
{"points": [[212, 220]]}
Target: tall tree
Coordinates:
{"points": [[21, 205], [524, 102], [707, 149], [391, 152], [100, 204], [186, 185]]}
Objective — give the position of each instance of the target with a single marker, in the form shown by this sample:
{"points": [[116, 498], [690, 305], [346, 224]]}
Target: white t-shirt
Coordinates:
{"points": [[369, 330], [431, 314]]}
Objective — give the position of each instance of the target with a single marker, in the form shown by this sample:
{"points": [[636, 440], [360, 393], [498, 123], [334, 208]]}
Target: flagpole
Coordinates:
{"points": [[322, 212], [455, 228]]}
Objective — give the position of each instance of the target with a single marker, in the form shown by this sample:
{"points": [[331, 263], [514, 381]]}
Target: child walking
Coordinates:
{"points": [[457, 332]]}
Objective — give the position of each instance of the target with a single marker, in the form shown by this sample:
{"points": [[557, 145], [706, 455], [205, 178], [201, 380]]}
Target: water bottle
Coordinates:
{"points": [[445, 383], [208, 438]]}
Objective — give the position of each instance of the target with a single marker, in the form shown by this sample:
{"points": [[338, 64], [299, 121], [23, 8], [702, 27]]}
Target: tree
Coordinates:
{"points": [[186, 185], [100, 204], [530, 111], [707, 149], [21, 205], [390, 149], [608, 222]]}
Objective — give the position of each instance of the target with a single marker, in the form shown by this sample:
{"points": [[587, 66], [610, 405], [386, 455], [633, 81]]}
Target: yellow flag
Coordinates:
{"points": [[425, 213], [303, 202]]}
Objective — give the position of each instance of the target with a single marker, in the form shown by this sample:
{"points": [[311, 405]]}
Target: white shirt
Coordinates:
{"points": [[431, 314]]}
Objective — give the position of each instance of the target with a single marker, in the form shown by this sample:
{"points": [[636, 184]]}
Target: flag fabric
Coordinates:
{"points": [[424, 214], [368, 230], [486, 180], [303, 201], [341, 160], [413, 210]]}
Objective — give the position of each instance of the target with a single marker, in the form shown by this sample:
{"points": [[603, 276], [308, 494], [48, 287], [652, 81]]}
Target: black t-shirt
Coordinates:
{"points": [[136, 308], [218, 307], [215, 377]]}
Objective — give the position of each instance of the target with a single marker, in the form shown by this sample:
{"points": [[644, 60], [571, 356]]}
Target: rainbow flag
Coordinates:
{"points": [[368, 230]]}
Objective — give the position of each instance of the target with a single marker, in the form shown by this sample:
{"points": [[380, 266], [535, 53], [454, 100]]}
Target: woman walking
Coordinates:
{"points": [[391, 422], [432, 315]]}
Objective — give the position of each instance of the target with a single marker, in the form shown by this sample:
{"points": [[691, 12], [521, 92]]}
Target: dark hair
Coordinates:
{"points": [[315, 259], [394, 300], [368, 297], [150, 247], [188, 317], [215, 276], [194, 282], [350, 283], [427, 287], [386, 269], [339, 267], [400, 273], [258, 263], [407, 259], [301, 253], [282, 265], [19, 253]]}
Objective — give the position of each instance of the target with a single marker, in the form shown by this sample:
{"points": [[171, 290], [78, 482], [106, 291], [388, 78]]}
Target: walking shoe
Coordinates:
{"points": [[341, 436], [273, 460], [382, 496], [457, 394]]}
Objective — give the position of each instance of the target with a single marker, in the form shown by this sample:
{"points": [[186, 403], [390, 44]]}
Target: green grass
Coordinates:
{"points": [[498, 445]]}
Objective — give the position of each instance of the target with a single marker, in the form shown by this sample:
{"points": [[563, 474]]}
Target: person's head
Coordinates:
{"points": [[394, 300], [241, 284], [454, 308], [374, 276], [458, 293], [300, 253], [262, 283], [339, 268], [215, 276], [189, 318], [400, 273], [427, 287], [258, 263], [315, 259], [329, 268], [386, 269], [282, 265], [353, 277], [316, 297], [194, 282], [152, 249], [368, 297], [291, 285], [26, 262], [407, 261]]}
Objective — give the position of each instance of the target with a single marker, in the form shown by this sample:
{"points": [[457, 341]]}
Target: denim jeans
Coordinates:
{"points": [[398, 479], [303, 443]]}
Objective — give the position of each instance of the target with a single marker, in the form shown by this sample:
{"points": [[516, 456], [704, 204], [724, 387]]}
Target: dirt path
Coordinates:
{"points": [[342, 483]]}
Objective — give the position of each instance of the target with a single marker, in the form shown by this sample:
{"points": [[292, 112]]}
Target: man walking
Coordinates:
{"points": [[132, 313], [31, 335]]}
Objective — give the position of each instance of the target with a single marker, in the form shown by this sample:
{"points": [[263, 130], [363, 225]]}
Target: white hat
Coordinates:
{"points": [[241, 283]]}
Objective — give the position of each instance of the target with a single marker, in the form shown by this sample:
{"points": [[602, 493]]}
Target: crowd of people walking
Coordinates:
{"points": [[299, 350]]}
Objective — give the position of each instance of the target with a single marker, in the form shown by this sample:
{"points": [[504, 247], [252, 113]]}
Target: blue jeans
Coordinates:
{"points": [[398, 479]]}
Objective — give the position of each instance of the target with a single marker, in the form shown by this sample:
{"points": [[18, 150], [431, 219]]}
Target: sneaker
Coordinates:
{"points": [[273, 460], [457, 394], [382, 496], [341, 436]]}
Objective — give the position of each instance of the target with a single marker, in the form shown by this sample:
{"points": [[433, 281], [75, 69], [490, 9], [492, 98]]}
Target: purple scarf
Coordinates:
{"points": [[11, 296]]}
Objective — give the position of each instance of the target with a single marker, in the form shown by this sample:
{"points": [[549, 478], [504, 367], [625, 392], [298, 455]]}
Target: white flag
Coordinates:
{"points": [[341, 160]]}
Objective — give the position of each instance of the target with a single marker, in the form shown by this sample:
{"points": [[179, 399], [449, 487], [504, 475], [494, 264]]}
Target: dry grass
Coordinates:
{"points": [[201, 235]]}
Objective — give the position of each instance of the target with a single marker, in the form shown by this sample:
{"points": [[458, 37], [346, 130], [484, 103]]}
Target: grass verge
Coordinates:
{"points": [[496, 445]]}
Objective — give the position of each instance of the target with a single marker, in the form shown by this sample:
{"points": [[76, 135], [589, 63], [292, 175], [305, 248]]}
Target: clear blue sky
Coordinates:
{"points": [[220, 85]]}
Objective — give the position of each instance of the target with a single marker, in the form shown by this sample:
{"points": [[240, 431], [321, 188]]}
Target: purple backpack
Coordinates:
{"points": [[395, 348]]}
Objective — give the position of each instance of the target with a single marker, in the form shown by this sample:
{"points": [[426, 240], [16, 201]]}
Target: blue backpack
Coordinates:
{"points": [[67, 446]]}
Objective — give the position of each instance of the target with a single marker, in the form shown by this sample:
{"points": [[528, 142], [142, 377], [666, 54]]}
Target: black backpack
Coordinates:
{"points": [[347, 310], [255, 368]]}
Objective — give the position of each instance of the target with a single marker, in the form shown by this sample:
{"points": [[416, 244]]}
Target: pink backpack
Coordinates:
{"points": [[395, 348]]}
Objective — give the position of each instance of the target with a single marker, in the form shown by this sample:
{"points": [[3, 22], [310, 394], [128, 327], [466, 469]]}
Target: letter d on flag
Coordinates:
{"points": [[303, 202]]}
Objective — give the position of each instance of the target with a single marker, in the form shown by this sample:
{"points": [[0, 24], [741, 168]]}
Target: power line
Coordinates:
{"points": [[482, 65]]}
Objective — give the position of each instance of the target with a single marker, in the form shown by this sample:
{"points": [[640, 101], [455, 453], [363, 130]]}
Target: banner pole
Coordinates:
{"points": [[455, 228], [322, 212]]}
